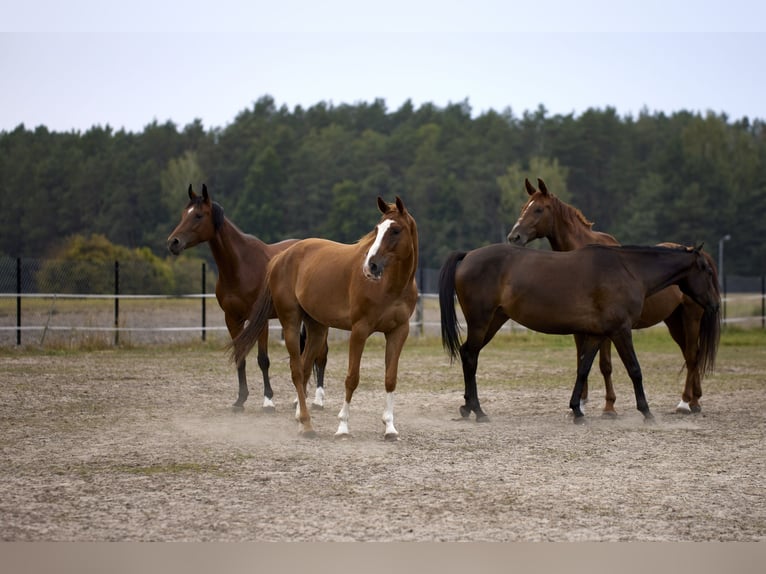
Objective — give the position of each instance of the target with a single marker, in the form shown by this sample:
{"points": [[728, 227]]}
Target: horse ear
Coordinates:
{"points": [[530, 188], [382, 205], [400, 204], [205, 195], [542, 186], [192, 195]]}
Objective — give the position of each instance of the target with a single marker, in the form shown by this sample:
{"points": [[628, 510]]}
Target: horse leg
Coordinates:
{"points": [[476, 339], [587, 347], [319, 368], [264, 363], [684, 326], [394, 343], [316, 344], [234, 325], [605, 364], [578, 345], [623, 342], [355, 348], [291, 331]]}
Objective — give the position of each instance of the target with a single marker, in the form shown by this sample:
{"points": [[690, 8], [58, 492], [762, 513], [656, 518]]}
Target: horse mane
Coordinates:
{"points": [[570, 212]]}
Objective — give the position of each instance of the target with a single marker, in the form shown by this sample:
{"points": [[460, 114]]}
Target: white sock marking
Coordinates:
{"points": [[343, 425]]}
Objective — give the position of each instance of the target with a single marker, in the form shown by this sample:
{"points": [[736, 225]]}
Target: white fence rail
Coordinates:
{"points": [[168, 318]]}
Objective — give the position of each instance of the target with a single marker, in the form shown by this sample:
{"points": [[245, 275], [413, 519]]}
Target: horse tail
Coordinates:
{"points": [[261, 311], [709, 337], [450, 326]]}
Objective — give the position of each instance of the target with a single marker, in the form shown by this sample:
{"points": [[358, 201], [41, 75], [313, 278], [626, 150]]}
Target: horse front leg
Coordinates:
{"points": [[587, 347], [623, 342], [234, 325], [394, 343], [355, 349]]}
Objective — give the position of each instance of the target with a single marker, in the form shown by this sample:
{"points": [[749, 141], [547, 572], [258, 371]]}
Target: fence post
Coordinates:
{"points": [[116, 303], [419, 314], [18, 300], [203, 300]]}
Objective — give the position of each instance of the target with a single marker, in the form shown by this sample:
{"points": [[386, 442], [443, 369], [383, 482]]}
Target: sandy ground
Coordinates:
{"points": [[141, 445]]}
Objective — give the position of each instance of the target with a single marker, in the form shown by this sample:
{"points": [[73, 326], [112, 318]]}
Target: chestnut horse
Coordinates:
{"points": [[596, 293], [364, 288], [566, 228], [241, 260]]}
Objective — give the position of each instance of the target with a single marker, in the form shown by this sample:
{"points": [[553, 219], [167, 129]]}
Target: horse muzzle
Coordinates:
{"points": [[175, 245], [517, 237], [373, 270]]}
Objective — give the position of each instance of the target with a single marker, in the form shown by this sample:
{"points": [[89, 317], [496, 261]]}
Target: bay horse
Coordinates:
{"points": [[241, 260], [364, 288], [596, 292], [566, 228]]}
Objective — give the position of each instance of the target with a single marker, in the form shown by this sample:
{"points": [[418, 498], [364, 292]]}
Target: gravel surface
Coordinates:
{"points": [[141, 445]]}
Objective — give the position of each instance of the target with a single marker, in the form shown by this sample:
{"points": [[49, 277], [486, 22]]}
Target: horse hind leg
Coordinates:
{"points": [[683, 325], [476, 339], [320, 364], [264, 363]]}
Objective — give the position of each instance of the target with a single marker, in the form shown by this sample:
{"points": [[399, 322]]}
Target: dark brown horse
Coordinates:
{"points": [[241, 260], [566, 228], [364, 288], [596, 293]]}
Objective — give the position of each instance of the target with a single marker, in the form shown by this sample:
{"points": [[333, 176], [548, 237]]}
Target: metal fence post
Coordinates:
{"points": [[116, 303], [203, 300], [18, 300]]}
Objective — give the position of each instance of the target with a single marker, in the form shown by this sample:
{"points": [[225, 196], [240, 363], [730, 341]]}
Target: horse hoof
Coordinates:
{"points": [[482, 418], [343, 436], [465, 412], [268, 409], [235, 408], [696, 409], [308, 434], [391, 437], [579, 420], [316, 407], [609, 415]]}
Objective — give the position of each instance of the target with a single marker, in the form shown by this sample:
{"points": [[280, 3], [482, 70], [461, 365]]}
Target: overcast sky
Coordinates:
{"points": [[75, 64]]}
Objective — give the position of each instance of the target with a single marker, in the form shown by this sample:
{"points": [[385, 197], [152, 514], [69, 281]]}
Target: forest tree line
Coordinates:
{"points": [[316, 172]]}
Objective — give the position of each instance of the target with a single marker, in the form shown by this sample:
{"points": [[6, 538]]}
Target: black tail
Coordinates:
{"points": [[709, 337], [450, 326], [258, 320]]}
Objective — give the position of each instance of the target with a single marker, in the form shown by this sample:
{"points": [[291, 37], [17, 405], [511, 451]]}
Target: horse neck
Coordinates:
{"points": [[659, 270], [570, 232], [227, 247]]}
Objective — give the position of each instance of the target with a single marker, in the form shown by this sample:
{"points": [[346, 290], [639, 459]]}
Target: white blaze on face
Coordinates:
{"points": [[188, 211], [382, 229], [527, 208]]}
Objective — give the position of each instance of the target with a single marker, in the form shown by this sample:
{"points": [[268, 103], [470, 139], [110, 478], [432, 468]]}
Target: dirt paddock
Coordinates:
{"points": [[141, 445]]}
